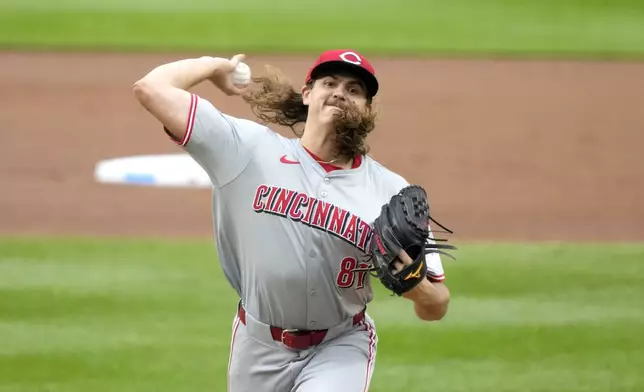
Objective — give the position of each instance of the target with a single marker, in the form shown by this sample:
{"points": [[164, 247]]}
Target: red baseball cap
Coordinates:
{"points": [[349, 60]]}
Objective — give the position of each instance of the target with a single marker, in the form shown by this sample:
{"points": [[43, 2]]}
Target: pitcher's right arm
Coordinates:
{"points": [[221, 144], [164, 91]]}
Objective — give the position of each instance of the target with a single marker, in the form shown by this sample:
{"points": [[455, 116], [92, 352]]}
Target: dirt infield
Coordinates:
{"points": [[509, 150]]}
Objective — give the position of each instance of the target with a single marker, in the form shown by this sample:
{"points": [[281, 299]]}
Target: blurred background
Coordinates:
{"points": [[522, 119]]}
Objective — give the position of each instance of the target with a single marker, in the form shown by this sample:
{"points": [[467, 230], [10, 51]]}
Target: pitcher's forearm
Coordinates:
{"points": [[184, 74], [430, 300]]}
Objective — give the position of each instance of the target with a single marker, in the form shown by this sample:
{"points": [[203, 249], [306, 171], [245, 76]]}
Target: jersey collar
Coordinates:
{"points": [[357, 161]]}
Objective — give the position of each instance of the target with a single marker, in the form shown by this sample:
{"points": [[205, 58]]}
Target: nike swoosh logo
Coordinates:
{"points": [[284, 159]]}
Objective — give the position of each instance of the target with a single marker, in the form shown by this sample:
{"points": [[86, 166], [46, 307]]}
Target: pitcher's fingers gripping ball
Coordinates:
{"points": [[242, 75], [403, 226]]}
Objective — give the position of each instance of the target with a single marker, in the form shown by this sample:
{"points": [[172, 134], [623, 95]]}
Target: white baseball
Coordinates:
{"points": [[241, 74]]}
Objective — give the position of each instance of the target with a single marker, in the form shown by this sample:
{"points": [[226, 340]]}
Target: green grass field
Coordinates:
{"points": [[109, 315], [458, 27]]}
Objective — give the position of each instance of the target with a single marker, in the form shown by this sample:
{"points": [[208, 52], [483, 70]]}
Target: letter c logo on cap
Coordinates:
{"points": [[351, 57]]}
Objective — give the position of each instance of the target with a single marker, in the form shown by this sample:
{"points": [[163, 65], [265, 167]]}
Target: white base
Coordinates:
{"points": [[170, 170]]}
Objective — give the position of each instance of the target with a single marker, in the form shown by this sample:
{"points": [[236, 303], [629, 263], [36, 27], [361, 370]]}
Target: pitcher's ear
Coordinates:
{"points": [[306, 93]]}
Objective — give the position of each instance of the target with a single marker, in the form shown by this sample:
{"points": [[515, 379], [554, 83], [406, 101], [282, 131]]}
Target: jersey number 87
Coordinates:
{"points": [[350, 275]]}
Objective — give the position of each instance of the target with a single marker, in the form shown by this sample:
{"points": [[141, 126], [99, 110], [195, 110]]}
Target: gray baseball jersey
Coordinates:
{"points": [[291, 237]]}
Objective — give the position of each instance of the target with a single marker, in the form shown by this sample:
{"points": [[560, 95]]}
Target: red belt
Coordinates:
{"points": [[298, 338]]}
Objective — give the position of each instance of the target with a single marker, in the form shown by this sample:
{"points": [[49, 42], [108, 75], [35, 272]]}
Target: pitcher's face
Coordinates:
{"points": [[330, 95]]}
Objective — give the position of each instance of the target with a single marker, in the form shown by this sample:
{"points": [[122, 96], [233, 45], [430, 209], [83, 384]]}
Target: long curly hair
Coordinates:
{"points": [[275, 101]]}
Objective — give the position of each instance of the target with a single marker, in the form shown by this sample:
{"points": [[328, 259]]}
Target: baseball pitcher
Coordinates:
{"points": [[303, 225]]}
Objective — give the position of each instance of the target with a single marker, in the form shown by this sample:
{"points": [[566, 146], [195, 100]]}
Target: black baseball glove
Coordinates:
{"points": [[403, 224]]}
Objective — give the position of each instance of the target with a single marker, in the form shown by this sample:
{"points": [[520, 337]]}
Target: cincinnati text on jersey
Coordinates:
{"points": [[300, 207]]}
